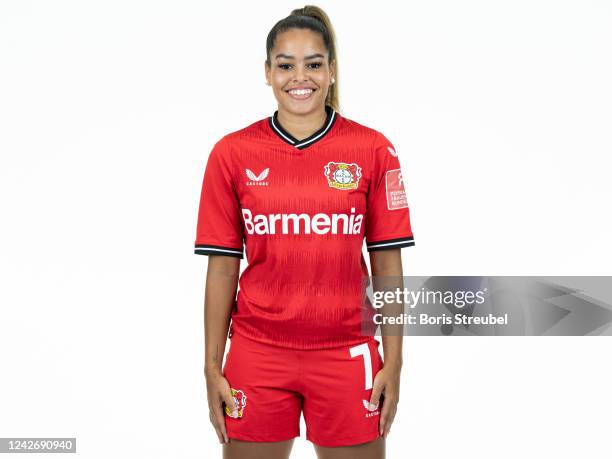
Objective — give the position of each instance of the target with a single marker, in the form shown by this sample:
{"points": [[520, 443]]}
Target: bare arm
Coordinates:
{"points": [[389, 263], [387, 380], [221, 284]]}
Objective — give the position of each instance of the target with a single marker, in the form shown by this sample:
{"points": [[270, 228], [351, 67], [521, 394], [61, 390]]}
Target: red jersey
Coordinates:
{"points": [[300, 210]]}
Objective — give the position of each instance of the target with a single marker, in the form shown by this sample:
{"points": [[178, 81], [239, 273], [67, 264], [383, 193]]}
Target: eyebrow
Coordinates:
{"points": [[287, 56]]}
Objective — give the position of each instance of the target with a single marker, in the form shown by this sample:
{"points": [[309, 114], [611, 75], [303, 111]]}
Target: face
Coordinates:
{"points": [[299, 61]]}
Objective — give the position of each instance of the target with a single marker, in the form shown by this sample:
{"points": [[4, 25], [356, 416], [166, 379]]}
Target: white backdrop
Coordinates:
{"points": [[500, 112]]}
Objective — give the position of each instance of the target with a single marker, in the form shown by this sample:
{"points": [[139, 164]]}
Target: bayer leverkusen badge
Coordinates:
{"points": [[239, 402], [342, 176]]}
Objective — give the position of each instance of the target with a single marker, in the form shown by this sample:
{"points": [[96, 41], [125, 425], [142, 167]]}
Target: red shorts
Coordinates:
{"points": [[273, 385]]}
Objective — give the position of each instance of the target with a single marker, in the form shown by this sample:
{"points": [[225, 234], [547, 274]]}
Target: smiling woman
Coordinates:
{"points": [[300, 190]]}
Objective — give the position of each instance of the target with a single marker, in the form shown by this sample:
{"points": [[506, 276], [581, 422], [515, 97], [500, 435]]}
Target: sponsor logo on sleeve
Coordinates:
{"points": [[396, 194], [392, 151]]}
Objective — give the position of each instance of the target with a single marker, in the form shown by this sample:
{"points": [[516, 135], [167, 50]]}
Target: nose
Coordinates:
{"points": [[300, 73]]}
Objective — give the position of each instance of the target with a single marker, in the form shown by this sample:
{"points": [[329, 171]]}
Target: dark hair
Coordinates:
{"points": [[312, 18]]}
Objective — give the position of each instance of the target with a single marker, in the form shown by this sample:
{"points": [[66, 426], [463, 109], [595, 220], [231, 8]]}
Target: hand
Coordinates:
{"points": [[387, 383], [218, 391]]}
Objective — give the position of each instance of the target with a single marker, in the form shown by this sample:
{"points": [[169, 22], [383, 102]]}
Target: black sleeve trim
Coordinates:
{"points": [[207, 249], [390, 244]]}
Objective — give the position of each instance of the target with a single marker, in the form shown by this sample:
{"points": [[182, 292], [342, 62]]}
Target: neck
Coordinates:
{"points": [[302, 126]]}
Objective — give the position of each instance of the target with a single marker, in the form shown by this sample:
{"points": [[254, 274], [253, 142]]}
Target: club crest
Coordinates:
{"points": [[342, 176], [239, 401]]}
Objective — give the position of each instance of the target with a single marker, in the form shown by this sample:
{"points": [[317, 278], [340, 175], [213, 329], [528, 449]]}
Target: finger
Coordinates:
{"points": [[386, 415], [375, 397], [220, 421], [219, 435], [389, 418], [388, 426], [213, 421], [228, 399]]}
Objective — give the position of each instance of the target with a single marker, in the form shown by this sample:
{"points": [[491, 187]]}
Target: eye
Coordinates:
{"points": [[312, 65]]}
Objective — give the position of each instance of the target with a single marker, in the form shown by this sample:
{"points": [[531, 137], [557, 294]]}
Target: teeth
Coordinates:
{"points": [[300, 92]]}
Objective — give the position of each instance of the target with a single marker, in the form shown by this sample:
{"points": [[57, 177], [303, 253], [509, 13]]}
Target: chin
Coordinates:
{"points": [[301, 108]]}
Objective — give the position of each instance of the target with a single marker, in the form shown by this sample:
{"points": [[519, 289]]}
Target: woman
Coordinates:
{"points": [[302, 189]]}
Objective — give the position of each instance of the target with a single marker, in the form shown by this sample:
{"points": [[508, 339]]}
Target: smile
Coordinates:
{"points": [[301, 94]]}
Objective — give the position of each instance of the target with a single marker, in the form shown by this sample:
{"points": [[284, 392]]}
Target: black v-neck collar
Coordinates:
{"points": [[301, 144]]}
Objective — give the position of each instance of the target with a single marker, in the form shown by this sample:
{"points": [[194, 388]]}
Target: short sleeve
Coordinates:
{"points": [[387, 214], [219, 227]]}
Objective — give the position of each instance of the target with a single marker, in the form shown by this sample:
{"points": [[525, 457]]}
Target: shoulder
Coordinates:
{"points": [[252, 132], [363, 133], [234, 141], [380, 148]]}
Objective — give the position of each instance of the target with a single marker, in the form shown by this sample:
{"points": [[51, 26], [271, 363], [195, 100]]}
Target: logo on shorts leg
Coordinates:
{"points": [[239, 401], [371, 411]]}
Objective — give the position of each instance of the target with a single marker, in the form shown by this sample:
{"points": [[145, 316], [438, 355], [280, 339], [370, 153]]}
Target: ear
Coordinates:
{"points": [[332, 69], [267, 71]]}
